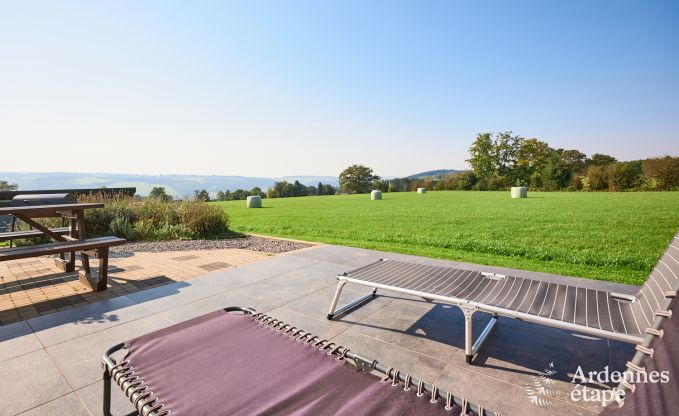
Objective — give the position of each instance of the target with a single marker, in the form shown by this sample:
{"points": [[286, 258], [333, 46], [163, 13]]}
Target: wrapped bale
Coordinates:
{"points": [[254, 202], [519, 192]]}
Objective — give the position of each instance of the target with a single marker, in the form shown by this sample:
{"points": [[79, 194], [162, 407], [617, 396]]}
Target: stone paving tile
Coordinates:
{"points": [[79, 360], [91, 396], [29, 381], [68, 405], [17, 339]]}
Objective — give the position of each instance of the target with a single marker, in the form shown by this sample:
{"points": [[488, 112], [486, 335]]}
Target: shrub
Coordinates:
{"points": [[203, 220], [154, 219]]}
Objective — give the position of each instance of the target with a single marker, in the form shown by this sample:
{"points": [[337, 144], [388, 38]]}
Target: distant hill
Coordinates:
{"points": [[176, 185], [436, 174]]}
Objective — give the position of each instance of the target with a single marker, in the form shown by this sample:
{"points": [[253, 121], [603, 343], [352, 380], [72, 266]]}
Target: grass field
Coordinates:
{"points": [[608, 236]]}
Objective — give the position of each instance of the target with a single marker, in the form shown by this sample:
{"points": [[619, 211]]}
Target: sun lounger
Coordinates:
{"points": [[238, 362], [593, 312]]}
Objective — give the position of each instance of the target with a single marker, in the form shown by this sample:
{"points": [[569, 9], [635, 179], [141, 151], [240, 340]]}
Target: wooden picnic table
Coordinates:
{"points": [[66, 239]]}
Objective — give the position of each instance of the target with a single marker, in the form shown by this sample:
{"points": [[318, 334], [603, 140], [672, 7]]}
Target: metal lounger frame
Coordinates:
{"points": [[469, 308], [361, 361]]}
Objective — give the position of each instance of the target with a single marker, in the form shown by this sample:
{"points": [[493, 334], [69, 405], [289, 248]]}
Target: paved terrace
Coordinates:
{"points": [[50, 365]]}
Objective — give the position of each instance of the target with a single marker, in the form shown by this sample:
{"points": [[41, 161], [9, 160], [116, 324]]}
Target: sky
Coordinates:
{"points": [[273, 88]]}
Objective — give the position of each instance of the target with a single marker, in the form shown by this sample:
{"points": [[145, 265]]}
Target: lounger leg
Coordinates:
{"points": [[468, 334], [471, 347], [107, 393], [334, 312], [338, 292]]}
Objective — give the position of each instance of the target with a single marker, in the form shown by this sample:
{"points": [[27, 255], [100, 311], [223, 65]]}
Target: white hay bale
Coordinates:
{"points": [[254, 202], [519, 192], [421, 190], [376, 195]]}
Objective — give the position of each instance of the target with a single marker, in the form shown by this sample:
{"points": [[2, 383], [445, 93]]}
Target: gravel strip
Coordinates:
{"points": [[265, 245]]}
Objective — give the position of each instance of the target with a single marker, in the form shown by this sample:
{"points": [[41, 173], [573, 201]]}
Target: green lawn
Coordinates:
{"points": [[607, 236]]}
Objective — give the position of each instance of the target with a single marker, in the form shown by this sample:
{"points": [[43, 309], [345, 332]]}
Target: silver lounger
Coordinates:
{"points": [[594, 312]]}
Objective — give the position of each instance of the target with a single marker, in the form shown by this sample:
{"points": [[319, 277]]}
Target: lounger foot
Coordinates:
{"points": [[469, 358], [330, 316]]}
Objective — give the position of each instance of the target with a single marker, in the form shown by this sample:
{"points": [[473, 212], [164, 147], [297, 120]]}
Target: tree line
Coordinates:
{"points": [[285, 189], [500, 161]]}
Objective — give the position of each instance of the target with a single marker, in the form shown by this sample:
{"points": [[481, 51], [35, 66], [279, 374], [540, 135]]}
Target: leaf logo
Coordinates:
{"points": [[538, 393]]}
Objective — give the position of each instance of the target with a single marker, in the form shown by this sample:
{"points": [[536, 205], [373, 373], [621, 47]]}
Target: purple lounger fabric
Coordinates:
{"points": [[228, 364]]}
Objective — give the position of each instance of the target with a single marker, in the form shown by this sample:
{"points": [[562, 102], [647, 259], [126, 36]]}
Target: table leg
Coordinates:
{"points": [[84, 258], [73, 233]]}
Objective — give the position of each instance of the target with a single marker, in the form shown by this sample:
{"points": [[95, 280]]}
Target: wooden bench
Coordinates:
{"points": [[20, 235], [98, 247]]}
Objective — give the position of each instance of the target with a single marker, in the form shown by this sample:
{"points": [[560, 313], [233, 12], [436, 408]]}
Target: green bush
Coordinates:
{"points": [[154, 219]]}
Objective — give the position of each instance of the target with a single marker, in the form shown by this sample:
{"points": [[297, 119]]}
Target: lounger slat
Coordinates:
{"points": [[484, 282], [527, 299], [592, 309], [580, 306], [489, 289], [454, 277], [505, 299], [405, 276], [629, 320], [434, 282], [550, 300], [604, 311], [617, 318], [467, 279], [568, 314], [538, 299]]}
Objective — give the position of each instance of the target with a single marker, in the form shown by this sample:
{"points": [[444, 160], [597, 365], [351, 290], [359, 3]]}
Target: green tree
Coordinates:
{"points": [[529, 158], [556, 173], [257, 191], [621, 176], [357, 179], [329, 189], [599, 159], [482, 160], [6, 186], [158, 192], [505, 153], [239, 194], [596, 178], [574, 160], [661, 173], [201, 195], [319, 189]]}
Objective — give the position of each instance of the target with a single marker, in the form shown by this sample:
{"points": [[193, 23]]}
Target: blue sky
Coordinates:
{"points": [[305, 88]]}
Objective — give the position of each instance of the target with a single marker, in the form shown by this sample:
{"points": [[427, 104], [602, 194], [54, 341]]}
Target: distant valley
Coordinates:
{"points": [[175, 185]]}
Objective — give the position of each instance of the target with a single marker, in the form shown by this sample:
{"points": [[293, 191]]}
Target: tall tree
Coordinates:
{"points": [[319, 189], [482, 160], [357, 179], [530, 156]]}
